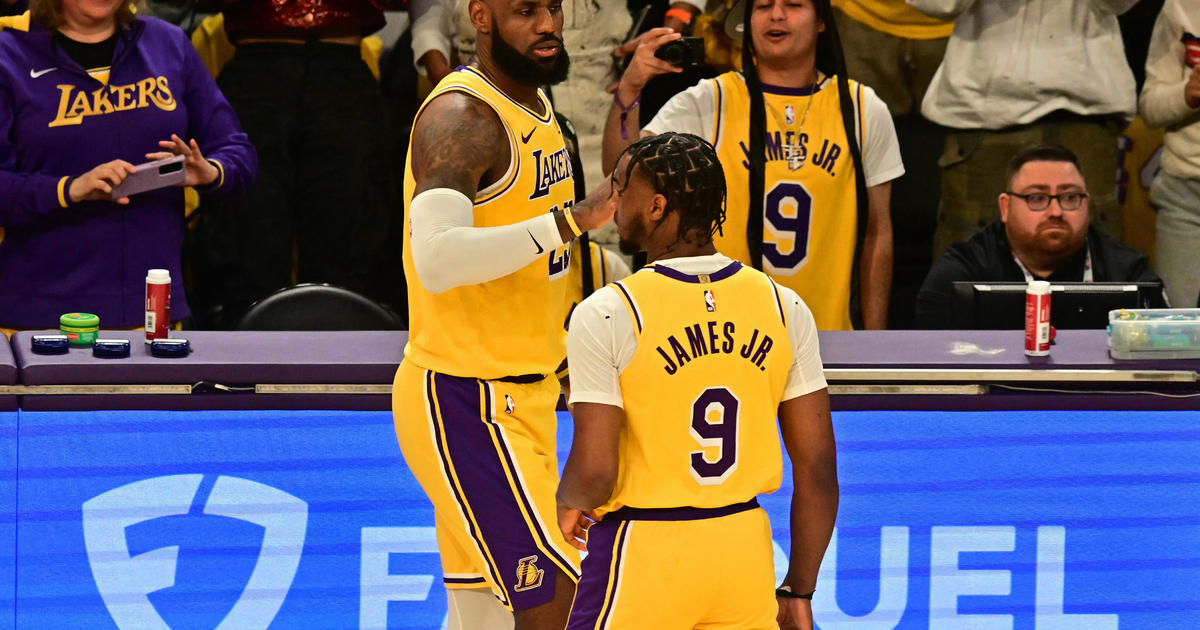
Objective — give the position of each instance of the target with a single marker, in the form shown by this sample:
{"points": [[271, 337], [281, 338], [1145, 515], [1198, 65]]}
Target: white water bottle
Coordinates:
{"points": [[158, 304]]}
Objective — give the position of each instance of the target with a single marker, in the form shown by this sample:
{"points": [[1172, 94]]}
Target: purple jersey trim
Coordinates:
{"points": [[678, 514], [545, 119], [779, 302], [767, 88], [637, 317], [720, 274]]}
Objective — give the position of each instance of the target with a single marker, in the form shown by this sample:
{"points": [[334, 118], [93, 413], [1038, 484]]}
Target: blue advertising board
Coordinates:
{"points": [[309, 520]]}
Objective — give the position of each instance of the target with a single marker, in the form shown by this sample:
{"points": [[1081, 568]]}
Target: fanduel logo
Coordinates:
{"points": [[125, 581]]}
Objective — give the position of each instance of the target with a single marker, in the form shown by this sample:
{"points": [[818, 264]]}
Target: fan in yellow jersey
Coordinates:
{"points": [[489, 196], [678, 373], [824, 227]]}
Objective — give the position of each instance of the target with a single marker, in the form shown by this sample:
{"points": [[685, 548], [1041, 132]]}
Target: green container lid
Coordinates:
{"points": [[79, 320]]}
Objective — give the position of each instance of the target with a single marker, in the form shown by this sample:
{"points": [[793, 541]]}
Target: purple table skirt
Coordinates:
{"points": [[227, 357], [977, 349], [248, 358], [233, 358]]}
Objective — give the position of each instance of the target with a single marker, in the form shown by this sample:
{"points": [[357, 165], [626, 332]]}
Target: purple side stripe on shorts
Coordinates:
{"points": [[510, 462], [503, 530], [600, 577], [439, 433]]}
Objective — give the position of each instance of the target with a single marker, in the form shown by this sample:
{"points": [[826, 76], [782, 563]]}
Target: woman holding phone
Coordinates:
{"points": [[87, 91]]}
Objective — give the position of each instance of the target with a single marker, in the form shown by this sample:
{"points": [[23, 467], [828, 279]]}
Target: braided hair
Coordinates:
{"points": [[684, 169], [831, 61]]}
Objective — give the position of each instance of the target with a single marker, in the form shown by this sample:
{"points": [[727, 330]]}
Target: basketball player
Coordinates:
{"points": [[822, 225], [489, 201], [677, 374]]}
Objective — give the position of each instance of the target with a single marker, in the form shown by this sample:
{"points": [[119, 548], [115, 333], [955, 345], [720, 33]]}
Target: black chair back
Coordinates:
{"points": [[318, 307]]}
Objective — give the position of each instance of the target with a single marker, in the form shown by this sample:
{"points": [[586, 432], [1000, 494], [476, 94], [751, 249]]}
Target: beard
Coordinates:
{"points": [[531, 72], [629, 248], [1059, 243], [633, 244]]}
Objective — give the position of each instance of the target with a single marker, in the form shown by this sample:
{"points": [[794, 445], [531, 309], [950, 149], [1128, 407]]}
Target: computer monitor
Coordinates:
{"points": [[1001, 305]]}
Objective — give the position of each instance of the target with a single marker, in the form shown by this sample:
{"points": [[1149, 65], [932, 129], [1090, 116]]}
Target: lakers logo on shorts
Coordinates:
{"points": [[529, 576]]}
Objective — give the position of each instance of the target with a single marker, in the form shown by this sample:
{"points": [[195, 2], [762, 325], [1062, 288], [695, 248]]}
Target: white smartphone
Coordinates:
{"points": [[152, 176]]}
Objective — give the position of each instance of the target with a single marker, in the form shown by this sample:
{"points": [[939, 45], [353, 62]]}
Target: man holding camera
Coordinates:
{"points": [[810, 234]]}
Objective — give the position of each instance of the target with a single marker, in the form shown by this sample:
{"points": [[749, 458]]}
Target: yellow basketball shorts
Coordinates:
{"points": [[485, 454], [681, 568]]}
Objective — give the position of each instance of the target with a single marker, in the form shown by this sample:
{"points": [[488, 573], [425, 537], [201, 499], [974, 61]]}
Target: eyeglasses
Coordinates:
{"points": [[1040, 201]]}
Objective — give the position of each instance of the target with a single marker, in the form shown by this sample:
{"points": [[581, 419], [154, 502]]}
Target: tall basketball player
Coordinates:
{"points": [[490, 205]]}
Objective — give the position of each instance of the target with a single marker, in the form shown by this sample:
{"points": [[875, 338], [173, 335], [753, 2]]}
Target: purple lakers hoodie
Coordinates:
{"points": [[56, 123]]}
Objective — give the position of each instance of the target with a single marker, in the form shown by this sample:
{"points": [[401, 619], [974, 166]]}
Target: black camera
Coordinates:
{"points": [[685, 52]]}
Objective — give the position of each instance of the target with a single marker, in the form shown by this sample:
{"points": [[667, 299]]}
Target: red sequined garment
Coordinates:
{"points": [[301, 19]]}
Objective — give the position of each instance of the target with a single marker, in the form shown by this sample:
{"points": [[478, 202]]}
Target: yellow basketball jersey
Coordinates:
{"points": [[895, 17], [511, 325], [702, 390], [810, 213]]}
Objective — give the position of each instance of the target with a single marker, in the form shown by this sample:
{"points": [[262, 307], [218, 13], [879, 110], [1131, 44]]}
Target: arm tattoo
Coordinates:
{"points": [[457, 141]]}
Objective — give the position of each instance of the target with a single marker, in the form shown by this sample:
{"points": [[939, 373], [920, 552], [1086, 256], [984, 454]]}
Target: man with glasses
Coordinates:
{"points": [[1042, 234]]}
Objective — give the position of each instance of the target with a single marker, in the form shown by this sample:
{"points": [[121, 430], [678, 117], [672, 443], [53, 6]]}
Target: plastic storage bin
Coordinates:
{"points": [[1154, 333]]}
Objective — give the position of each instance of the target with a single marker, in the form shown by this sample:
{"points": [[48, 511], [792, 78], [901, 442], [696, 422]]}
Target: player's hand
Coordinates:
{"points": [[197, 170], [597, 210], [99, 182], [565, 385], [1191, 90], [644, 65], [574, 525], [794, 613]]}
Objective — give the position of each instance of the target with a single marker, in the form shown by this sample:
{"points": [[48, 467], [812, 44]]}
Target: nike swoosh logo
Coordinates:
{"points": [[525, 138], [535, 243], [33, 74]]}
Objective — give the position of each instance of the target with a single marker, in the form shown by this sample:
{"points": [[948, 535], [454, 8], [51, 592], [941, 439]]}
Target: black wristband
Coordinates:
{"points": [[788, 594]]}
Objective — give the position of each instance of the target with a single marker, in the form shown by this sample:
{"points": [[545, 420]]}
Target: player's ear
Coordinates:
{"points": [[658, 207], [1003, 200], [481, 16]]}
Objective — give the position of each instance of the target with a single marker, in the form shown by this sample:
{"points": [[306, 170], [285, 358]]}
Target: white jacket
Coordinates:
{"points": [[1011, 62], [1162, 103]]}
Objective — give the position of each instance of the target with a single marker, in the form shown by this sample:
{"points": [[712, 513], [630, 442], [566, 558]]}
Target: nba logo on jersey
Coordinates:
{"points": [[710, 302], [529, 576], [789, 114], [510, 405]]}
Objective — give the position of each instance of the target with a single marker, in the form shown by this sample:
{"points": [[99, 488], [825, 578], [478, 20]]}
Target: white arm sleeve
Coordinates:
{"points": [[448, 252]]}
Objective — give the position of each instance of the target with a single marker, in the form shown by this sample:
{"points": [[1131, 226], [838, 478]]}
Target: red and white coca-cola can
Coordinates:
{"points": [[158, 304], [1037, 318]]}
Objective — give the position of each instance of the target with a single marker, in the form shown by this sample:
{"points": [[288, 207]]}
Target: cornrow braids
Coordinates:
{"points": [[683, 168]]}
